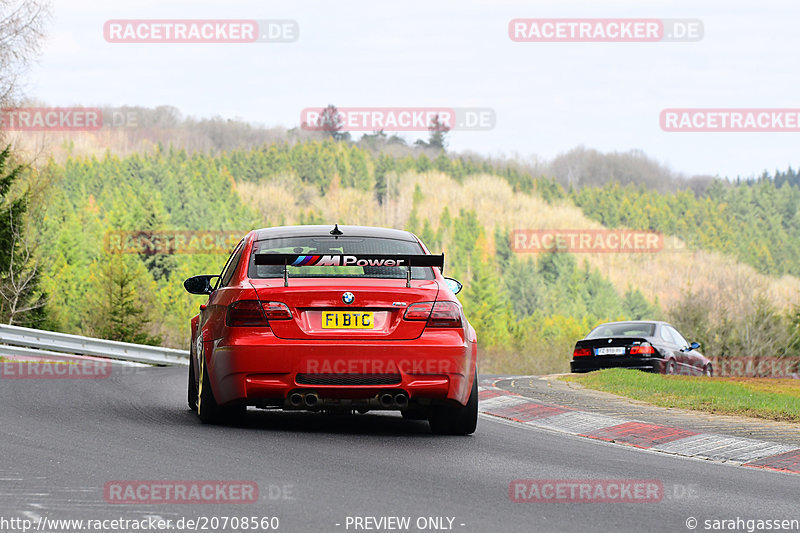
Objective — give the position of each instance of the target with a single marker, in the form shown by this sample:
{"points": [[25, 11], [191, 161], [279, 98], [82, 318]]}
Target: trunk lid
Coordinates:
{"points": [[319, 312], [610, 346]]}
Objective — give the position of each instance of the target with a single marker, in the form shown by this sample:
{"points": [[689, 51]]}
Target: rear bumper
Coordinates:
{"points": [[587, 364], [253, 367]]}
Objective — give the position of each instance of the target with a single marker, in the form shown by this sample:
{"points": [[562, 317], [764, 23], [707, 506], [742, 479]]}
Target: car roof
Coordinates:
{"points": [[325, 231]]}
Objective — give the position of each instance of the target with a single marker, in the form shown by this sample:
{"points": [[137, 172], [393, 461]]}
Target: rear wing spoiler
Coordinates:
{"points": [[375, 260]]}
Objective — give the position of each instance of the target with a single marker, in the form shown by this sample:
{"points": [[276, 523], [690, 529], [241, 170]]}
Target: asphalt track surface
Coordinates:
{"points": [[64, 439]]}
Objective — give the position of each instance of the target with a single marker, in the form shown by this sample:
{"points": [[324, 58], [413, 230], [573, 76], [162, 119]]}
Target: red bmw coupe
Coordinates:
{"points": [[342, 319]]}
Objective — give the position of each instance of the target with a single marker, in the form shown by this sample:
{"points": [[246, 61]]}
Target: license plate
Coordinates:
{"points": [[347, 320], [613, 350]]}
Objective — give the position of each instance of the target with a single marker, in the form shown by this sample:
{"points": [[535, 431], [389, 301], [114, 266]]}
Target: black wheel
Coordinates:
{"points": [[708, 370], [672, 367], [192, 387], [209, 411], [460, 420], [207, 408]]}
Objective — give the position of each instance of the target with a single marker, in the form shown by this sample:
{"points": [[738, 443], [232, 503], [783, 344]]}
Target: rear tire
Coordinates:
{"points": [[207, 408], [459, 420], [209, 411], [708, 371], [192, 387], [672, 367]]}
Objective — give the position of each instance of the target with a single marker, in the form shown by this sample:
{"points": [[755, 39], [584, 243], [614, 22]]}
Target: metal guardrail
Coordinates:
{"points": [[50, 343]]}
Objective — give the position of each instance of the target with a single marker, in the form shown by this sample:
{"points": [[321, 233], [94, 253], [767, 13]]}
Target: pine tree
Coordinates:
{"points": [[116, 312], [437, 130]]}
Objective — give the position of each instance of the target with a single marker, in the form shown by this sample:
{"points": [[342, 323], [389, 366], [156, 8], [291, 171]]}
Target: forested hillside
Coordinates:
{"points": [[758, 221], [95, 292], [528, 308]]}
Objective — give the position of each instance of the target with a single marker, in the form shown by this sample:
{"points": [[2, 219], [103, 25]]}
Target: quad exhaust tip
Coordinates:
{"points": [[401, 400], [311, 400], [387, 400], [296, 399], [398, 400]]}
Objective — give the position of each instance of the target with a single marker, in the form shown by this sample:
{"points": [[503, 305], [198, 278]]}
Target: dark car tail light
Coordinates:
{"points": [[582, 352], [445, 315], [256, 314], [419, 311], [437, 314], [642, 349], [246, 313]]}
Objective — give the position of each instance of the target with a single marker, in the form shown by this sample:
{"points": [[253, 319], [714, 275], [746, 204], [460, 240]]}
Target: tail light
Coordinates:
{"points": [[582, 352], [642, 349], [420, 311], [256, 314], [445, 315], [437, 314]]}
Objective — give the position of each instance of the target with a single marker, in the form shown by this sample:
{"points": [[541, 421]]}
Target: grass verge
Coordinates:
{"points": [[773, 399]]}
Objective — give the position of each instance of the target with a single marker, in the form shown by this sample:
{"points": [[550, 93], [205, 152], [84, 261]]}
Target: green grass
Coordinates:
{"points": [[774, 399]]}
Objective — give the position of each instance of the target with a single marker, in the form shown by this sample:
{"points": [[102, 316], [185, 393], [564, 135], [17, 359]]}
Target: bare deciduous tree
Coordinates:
{"points": [[22, 26], [731, 318], [18, 282]]}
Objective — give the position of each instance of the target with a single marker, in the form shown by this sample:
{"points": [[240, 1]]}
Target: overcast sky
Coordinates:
{"points": [[548, 97]]}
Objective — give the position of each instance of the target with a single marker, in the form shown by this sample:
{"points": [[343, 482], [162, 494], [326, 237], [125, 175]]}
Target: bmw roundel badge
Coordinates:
{"points": [[348, 297]]}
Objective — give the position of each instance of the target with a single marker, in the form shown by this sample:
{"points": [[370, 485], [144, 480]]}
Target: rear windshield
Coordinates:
{"points": [[626, 329], [331, 245]]}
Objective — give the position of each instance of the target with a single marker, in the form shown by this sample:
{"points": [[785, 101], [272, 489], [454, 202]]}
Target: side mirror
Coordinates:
{"points": [[694, 345], [454, 285], [199, 284]]}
